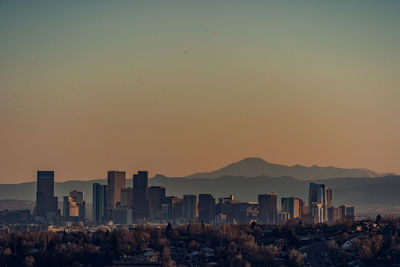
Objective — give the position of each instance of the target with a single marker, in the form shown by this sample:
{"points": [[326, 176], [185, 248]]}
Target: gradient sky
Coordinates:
{"points": [[178, 87]]}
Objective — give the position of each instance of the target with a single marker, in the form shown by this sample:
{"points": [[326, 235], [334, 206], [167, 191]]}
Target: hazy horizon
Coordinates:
{"points": [[178, 88], [130, 172]]}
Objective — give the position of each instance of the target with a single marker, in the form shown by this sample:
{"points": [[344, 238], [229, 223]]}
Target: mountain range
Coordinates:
{"points": [[252, 167]]}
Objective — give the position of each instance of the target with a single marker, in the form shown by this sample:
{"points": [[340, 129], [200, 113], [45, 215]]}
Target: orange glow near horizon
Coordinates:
{"points": [[133, 87]]}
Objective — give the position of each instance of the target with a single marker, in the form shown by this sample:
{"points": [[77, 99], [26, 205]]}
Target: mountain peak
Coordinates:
{"points": [[255, 166], [252, 160]]}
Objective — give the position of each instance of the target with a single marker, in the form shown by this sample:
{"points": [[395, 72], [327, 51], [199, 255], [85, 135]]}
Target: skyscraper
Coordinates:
{"points": [[206, 208], [122, 216], [317, 213], [126, 197], [190, 211], [333, 215], [156, 196], [226, 207], [72, 209], [99, 203], [46, 202], [115, 181], [293, 206], [268, 211], [346, 212], [66, 204], [328, 197], [246, 212], [166, 205], [140, 196], [286, 205], [77, 197], [177, 209], [319, 200]]}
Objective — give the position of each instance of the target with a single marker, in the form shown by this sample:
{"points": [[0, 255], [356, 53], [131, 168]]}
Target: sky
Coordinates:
{"points": [[178, 87]]}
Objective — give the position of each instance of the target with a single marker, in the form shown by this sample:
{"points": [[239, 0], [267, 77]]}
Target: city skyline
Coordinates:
{"points": [[367, 197], [199, 133], [118, 203], [176, 88]]}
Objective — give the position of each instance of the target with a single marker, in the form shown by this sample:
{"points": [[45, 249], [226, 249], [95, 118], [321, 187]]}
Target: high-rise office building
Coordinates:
{"points": [[268, 211], [333, 215], [242, 211], [293, 206], [78, 198], [328, 197], [246, 212], [283, 217], [317, 212], [166, 207], [115, 182], [66, 204], [226, 207], [140, 196], [206, 208], [71, 209], [319, 199], [99, 203], [126, 197], [122, 216], [156, 196], [286, 205], [177, 209], [346, 212], [173, 208], [46, 202], [190, 211]]}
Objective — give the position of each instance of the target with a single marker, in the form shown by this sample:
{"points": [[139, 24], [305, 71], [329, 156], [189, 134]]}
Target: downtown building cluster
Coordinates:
{"points": [[46, 210], [117, 203], [121, 204], [320, 206]]}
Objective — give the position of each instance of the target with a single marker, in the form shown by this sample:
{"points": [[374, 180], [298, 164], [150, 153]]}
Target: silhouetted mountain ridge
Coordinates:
{"points": [[251, 167]]}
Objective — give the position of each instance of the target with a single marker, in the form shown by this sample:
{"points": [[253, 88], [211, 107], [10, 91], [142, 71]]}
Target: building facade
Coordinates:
{"points": [[319, 200], [293, 206], [99, 195], [156, 196], [46, 202], [140, 196], [268, 211], [333, 215], [115, 182], [206, 208], [126, 197], [190, 211], [346, 212]]}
